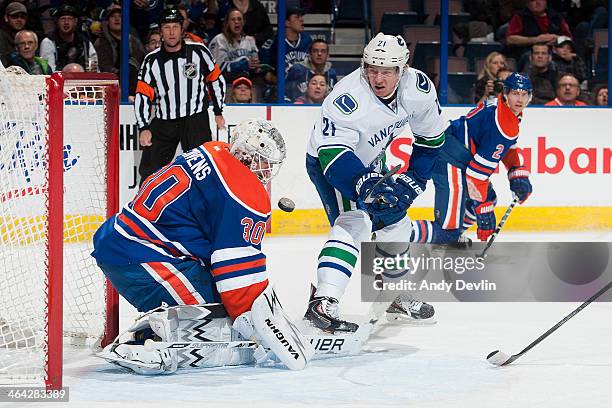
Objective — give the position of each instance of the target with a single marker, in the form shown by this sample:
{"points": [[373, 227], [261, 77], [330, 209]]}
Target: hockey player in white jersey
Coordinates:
{"points": [[346, 158]]}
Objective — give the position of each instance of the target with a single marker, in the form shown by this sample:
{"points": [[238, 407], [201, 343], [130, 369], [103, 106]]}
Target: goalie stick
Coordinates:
{"points": [[325, 345], [151, 344], [499, 358]]}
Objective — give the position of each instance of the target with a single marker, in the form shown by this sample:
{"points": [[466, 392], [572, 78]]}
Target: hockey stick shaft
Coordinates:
{"points": [[499, 226], [369, 199], [561, 323], [164, 345], [323, 344]]}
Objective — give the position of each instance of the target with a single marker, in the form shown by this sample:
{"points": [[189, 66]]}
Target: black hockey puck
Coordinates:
{"points": [[286, 204]]}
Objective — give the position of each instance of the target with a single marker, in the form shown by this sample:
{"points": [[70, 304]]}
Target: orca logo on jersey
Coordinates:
{"points": [[422, 83], [346, 103]]}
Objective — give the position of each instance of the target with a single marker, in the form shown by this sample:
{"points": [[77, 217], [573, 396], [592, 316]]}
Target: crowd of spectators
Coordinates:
{"points": [[544, 38]]}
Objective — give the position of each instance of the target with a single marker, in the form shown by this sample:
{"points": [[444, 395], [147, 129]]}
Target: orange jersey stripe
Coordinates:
{"points": [[241, 300], [214, 74], [174, 281], [239, 180], [452, 224], [142, 235], [238, 267], [145, 89], [480, 167]]}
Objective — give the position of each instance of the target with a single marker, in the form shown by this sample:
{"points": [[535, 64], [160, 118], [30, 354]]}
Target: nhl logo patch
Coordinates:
{"points": [[190, 70]]}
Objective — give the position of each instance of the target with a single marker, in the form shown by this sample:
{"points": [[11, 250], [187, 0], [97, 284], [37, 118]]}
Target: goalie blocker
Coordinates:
{"points": [[277, 337]]}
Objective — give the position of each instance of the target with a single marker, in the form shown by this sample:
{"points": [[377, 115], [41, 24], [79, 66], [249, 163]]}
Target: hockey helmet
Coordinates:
{"points": [[386, 51], [517, 81], [171, 15], [259, 146]]}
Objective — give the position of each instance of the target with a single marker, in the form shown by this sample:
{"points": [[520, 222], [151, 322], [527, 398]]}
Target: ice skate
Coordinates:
{"points": [[406, 308], [322, 313]]}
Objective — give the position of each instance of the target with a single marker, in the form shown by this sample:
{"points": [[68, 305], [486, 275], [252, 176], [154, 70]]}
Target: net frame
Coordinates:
{"points": [[57, 99], [55, 114]]}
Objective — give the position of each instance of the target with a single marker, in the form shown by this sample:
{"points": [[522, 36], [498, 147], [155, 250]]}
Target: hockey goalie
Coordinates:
{"points": [[188, 250]]}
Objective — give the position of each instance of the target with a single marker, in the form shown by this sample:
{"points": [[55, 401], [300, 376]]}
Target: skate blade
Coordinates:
{"points": [[400, 319]]}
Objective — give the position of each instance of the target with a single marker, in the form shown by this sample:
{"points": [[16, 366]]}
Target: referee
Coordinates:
{"points": [[174, 85]]}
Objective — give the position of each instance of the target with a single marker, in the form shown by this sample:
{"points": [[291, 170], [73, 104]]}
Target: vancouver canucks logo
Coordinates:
{"points": [[346, 103], [190, 70], [422, 83]]}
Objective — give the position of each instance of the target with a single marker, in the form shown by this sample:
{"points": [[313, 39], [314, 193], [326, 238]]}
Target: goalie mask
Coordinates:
{"points": [[259, 146]]}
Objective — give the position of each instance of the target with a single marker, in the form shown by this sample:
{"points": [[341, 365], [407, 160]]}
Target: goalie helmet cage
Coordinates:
{"points": [[59, 159]]}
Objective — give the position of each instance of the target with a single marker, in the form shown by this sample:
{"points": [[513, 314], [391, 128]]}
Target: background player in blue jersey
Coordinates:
{"points": [[192, 236], [475, 144]]}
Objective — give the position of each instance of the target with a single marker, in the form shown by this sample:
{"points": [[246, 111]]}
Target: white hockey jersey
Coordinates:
{"points": [[354, 120], [233, 56]]}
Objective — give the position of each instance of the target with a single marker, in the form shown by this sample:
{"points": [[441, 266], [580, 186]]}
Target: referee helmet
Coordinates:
{"points": [[171, 15]]}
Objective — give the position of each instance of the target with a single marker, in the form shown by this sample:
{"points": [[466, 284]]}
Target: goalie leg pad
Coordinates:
{"points": [[177, 324], [267, 322]]}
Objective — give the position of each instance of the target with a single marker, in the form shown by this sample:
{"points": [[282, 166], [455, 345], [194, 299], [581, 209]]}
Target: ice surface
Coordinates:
{"points": [[443, 365]]}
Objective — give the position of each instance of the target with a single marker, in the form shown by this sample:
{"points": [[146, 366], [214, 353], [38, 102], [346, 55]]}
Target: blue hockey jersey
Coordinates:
{"points": [[486, 135], [293, 52], [205, 206]]}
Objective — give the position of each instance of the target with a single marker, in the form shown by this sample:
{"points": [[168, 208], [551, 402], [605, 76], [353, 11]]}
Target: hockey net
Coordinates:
{"points": [[54, 193]]}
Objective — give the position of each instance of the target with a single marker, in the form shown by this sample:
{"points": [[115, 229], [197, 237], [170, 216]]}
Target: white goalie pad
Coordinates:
{"points": [[268, 324], [186, 324]]}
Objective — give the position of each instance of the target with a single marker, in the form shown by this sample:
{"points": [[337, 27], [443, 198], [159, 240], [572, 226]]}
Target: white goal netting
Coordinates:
{"points": [[24, 188]]}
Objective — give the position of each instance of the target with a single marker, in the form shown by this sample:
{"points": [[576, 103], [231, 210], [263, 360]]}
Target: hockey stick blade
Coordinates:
{"points": [[369, 199], [499, 358]]}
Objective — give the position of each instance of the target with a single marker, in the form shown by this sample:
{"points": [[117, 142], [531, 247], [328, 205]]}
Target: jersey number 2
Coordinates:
{"points": [[498, 151]]}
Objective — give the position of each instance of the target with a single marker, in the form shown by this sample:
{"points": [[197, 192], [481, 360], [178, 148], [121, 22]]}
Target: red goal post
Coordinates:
{"points": [[59, 158]]}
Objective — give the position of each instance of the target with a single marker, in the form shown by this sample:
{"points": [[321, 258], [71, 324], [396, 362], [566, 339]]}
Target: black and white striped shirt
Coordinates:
{"points": [[176, 84]]}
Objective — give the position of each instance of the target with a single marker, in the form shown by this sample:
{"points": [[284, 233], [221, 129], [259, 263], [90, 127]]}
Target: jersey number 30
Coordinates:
{"points": [[252, 232]]}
